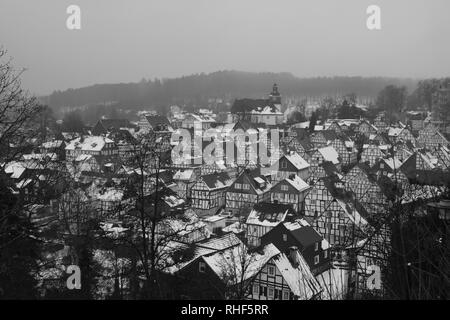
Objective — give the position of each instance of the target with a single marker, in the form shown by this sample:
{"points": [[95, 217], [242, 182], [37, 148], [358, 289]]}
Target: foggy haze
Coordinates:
{"points": [[124, 41]]}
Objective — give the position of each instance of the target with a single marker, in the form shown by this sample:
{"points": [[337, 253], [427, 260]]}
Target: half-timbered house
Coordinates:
{"points": [[208, 193], [291, 191], [250, 187], [283, 276], [299, 233], [288, 165], [371, 154], [264, 217], [366, 128]]}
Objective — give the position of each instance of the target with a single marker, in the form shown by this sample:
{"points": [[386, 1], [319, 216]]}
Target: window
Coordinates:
{"points": [[238, 186], [271, 293], [325, 254], [316, 248], [246, 186], [263, 291], [284, 188], [278, 294], [271, 271], [285, 295], [201, 267], [255, 289], [316, 259], [284, 237], [283, 164]]}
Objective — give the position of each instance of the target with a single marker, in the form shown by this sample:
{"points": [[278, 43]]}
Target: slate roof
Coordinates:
{"points": [[270, 214], [217, 180], [248, 105], [157, 120]]}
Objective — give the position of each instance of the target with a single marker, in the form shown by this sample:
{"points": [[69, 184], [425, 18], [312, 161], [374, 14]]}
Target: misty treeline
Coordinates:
{"points": [[215, 89], [196, 90]]}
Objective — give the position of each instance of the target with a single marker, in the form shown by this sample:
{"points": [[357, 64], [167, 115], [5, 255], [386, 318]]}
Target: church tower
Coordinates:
{"points": [[275, 96]]}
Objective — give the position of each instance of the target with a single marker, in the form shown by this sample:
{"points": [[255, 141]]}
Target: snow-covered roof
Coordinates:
{"points": [[393, 163], [259, 180], [183, 175], [89, 143], [217, 180], [202, 117], [234, 228], [111, 194], [299, 278], [83, 157], [297, 161], [267, 110], [319, 127], [52, 144], [349, 144], [267, 214], [301, 125], [226, 263], [329, 154], [395, 132], [298, 183], [15, 169], [114, 229], [334, 283], [299, 223], [172, 201], [214, 218]]}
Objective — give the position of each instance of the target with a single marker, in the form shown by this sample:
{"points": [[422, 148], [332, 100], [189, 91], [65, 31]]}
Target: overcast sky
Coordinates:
{"points": [[124, 41]]}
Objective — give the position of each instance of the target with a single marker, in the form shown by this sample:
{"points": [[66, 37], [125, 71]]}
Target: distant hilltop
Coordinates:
{"points": [[197, 89]]}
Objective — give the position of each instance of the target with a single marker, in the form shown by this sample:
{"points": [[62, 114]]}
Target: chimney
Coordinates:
{"points": [[293, 256]]}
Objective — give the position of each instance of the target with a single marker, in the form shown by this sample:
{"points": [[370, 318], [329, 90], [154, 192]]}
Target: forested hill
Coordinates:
{"points": [[196, 89]]}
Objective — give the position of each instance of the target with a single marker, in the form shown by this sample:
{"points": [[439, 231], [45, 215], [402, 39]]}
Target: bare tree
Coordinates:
{"points": [[18, 248], [153, 219]]}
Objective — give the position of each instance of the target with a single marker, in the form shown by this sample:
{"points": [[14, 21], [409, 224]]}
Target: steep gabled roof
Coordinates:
{"points": [[298, 277], [248, 105], [297, 161], [217, 180], [330, 154], [268, 214], [156, 120], [298, 183], [303, 232]]}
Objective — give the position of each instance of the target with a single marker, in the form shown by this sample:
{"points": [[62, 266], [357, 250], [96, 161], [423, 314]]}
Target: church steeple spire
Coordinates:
{"points": [[275, 96]]}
